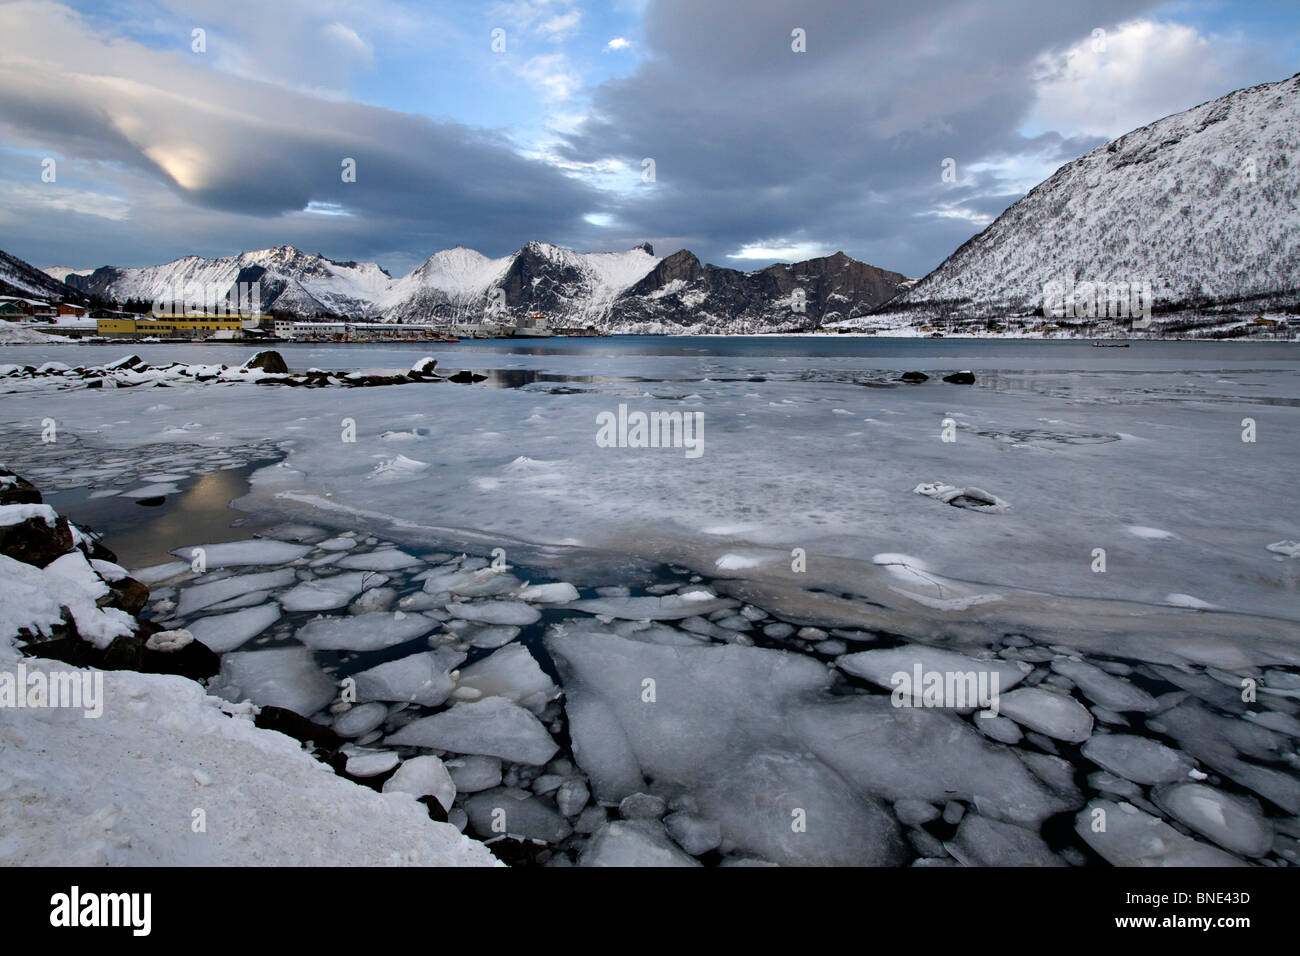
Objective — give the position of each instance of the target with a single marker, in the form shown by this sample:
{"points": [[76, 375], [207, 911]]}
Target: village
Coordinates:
{"points": [[100, 325]]}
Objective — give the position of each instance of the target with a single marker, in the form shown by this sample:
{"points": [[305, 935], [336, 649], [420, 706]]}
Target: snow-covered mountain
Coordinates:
{"points": [[20, 279], [288, 280], [572, 288], [1203, 204], [613, 291]]}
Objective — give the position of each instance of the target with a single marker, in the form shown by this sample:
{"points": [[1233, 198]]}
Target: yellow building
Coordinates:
{"points": [[172, 326]]}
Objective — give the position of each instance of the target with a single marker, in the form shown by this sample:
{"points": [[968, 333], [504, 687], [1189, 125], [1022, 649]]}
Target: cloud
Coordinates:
{"points": [[782, 250], [1137, 73], [618, 43], [243, 157], [552, 76]]}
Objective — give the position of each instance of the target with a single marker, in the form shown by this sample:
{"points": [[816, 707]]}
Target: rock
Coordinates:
{"points": [[465, 377], [169, 642], [267, 361], [914, 377], [298, 727], [38, 539], [972, 499], [960, 378], [423, 367], [17, 490], [128, 595]]}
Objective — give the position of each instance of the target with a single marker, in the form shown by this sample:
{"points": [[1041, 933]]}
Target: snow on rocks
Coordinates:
{"points": [[278, 807], [363, 632], [1227, 820], [1059, 716], [35, 600], [972, 499], [1126, 836], [285, 677], [493, 727], [228, 632]]}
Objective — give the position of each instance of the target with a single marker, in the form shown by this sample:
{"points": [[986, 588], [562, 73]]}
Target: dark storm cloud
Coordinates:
{"points": [[235, 148], [842, 143]]}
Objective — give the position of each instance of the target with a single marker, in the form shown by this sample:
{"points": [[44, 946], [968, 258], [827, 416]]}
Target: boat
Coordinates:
{"points": [[533, 327], [1110, 345]]}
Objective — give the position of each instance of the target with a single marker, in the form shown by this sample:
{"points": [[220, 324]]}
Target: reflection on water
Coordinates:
{"points": [[200, 513]]}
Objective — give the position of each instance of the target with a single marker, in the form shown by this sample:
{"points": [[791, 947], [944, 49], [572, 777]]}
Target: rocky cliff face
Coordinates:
{"points": [[681, 295], [1202, 205]]}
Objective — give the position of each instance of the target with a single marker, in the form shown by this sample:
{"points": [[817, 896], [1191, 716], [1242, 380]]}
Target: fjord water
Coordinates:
{"points": [[1143, 565]]}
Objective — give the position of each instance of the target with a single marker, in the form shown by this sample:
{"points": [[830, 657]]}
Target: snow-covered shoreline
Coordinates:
{"points": [[683, 572], [158, 771]]}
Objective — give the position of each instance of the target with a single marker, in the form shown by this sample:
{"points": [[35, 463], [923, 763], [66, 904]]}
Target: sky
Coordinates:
{"points": [[134, 132]]}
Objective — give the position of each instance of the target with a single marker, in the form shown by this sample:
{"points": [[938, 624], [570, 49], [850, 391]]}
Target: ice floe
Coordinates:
{"points": [[363, 632], [284, 677], [493, 727], [1057, 715], [325, 594], [227, 632]]}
